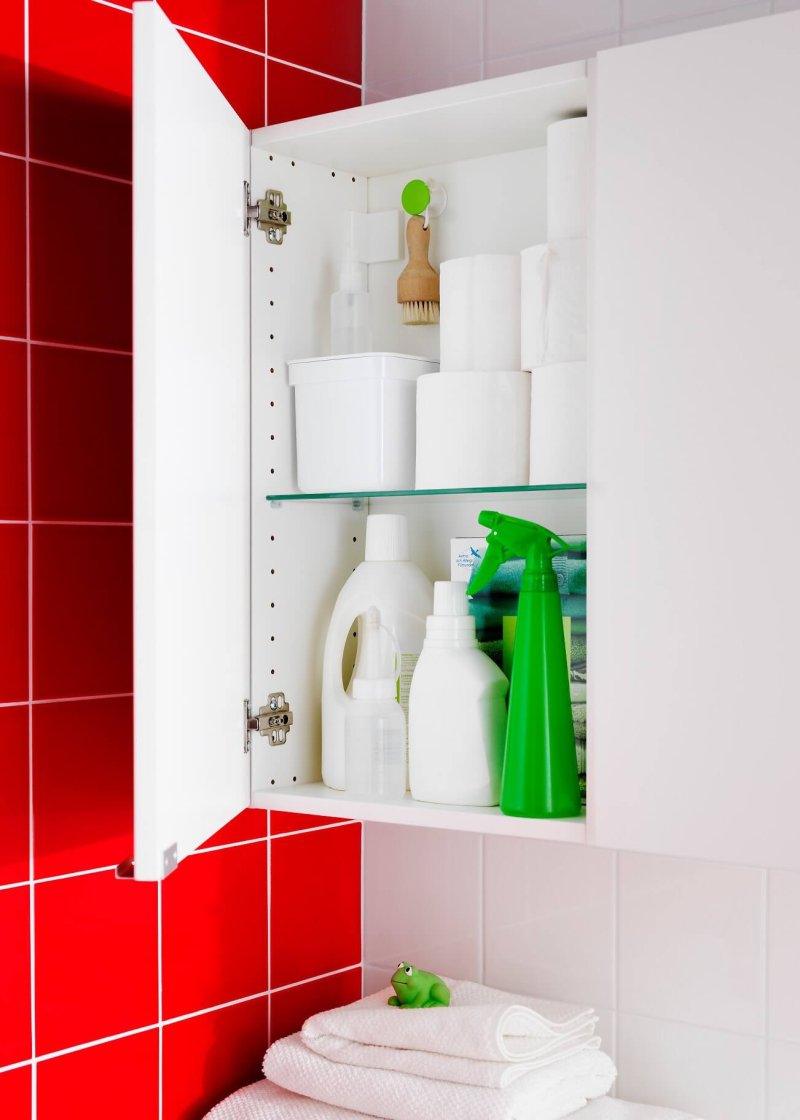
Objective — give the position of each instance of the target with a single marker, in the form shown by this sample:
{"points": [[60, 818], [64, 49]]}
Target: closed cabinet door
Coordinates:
{"points": [[695, 457]]}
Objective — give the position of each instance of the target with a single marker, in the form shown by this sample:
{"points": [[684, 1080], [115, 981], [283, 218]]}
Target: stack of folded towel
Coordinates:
{"points": [[488, 1056]]}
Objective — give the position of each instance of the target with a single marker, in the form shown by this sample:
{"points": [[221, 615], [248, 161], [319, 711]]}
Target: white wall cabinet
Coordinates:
{"points": [[218, 314]]}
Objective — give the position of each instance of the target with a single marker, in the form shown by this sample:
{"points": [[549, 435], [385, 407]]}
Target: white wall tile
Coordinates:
{"points": [[697, 22], [713, 1074], [550, 56], [636, 13], [690, 942], [416, 82], [422, 900], [783, 1081], [515, 26], [784, 955], [549, 920], [408, 37]]}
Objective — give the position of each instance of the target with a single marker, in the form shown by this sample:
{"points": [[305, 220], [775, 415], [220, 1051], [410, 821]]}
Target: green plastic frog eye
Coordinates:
{"points": [[408, 970]]}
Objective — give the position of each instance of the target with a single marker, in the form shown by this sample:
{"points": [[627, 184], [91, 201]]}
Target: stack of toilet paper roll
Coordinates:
{"points": [[473, 416], [554, 311]]}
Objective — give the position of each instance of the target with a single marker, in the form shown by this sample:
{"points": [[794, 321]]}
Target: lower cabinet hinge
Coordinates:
{"points": [[274, 720], [269, 213]]}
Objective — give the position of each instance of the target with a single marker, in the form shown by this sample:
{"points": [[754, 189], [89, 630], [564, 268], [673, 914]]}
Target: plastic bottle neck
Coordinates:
{"points": [[450, 633]]}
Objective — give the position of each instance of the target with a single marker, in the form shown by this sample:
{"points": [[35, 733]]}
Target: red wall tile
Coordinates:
{"points": [[316, 903], [80, 85], [237, 21], [207, 1057], [293, 93], [290, 1008], [214, 929], [239, 74], [81, 435], [250, 824], [280, 823], [14, 794], [82, 610], [117, 1079], [82, 785], [13, 314], [96, 959], [15, 1094], [13, 431], [15, 972], [13, 612], [81, 268], [318, 34], [12, 77]]}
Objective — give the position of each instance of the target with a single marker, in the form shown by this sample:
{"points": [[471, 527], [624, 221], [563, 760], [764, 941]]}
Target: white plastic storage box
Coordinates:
{"points": [[355, 417]]}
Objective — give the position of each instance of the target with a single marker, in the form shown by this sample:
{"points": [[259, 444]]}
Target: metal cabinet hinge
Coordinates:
{"points": [[274, 720], [269, 213]]}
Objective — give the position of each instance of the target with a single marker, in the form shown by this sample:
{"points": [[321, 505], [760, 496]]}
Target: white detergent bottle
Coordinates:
{"points": [[457, 710], [403, 595], [375, 727]]}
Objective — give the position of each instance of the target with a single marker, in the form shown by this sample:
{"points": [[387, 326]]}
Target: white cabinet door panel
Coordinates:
{"points": [[694, 464], [191, 449]]}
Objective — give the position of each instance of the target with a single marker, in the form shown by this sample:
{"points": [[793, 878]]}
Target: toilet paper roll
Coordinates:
{"points": [[567, 178], [553, 303], [479, 324], [558, 424], [473, 428]]}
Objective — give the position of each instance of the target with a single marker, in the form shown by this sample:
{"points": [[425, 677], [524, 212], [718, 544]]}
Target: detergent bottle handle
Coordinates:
{"points": [[337, 638]]}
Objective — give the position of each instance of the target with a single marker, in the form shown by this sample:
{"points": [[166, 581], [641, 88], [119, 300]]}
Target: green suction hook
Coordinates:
{"points": [[428, 199]]}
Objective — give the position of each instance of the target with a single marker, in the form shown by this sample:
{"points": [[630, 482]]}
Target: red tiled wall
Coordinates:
{"points": [[122, 999]]}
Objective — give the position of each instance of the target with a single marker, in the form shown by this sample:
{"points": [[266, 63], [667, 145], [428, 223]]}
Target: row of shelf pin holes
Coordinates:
{"points": [[333, 173]]}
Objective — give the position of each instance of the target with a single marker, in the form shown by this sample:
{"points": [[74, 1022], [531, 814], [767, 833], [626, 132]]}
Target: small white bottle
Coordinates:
{"points": [[456, 709], [375, 727], [351, 329]]}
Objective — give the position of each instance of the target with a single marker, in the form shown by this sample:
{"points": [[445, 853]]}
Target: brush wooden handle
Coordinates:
{"points": [[418, 281]]}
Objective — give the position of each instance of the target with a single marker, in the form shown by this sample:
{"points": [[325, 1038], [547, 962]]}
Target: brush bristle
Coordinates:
{"points": [[420, 312]]}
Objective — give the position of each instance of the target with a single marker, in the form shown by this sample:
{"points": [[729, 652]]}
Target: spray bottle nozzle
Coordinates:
{"points": [[512, 537]]}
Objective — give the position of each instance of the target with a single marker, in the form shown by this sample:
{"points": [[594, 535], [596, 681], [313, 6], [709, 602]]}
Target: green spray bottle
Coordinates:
{"points": [[540, 770]]}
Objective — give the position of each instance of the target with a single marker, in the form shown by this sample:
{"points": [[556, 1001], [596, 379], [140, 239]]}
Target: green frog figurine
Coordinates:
{"points": [[415, 988]]}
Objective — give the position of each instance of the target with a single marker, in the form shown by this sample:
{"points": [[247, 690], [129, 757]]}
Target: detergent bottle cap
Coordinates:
{"points": [[375, 673], [451, 624], [387, 537]]}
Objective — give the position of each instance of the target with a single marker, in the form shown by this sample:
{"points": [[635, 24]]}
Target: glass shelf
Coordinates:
{"points": [[356, 495]]}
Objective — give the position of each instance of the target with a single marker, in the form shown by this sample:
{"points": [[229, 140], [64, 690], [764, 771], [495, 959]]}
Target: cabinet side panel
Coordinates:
{"points": [[302, 554], [191, 448], [693, 458]]}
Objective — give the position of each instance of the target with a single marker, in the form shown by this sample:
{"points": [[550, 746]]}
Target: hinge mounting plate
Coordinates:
{"points": [[274, 720], [269, 213]]}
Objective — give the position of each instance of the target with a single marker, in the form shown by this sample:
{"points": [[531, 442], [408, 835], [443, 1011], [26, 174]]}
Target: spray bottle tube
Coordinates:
{"points": [[540, 770]]}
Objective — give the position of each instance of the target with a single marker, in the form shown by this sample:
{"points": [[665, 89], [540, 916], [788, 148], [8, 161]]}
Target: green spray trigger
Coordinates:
{"points": [[540, 769]]}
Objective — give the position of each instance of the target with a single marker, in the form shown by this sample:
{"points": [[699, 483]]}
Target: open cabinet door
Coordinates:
{"points": [[191, 450]]}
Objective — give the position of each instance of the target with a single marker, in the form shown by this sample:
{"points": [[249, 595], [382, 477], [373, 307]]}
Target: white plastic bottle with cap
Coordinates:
{"points": [[375, 727], [457, 710], [351, 330], [403, 595]]}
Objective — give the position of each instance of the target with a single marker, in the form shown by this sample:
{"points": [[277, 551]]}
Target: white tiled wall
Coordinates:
{"points": [[417, 45], [694, 967]]}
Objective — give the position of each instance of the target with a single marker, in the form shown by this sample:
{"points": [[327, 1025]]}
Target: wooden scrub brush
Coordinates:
{"points": [[418, 283]]}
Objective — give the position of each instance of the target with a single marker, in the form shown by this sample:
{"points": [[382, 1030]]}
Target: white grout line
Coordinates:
{"points": [[13, 886], [363, 52], [80, 699], [363, 904], [75, 874], [74, 346], [312, 828], [216, 1007], [95, 1042], [313, 979], [317, 73], [216, 39], [31, 893], [80, 171], [224, 847], [16, 1065], [13, 155], [160, 983], [269, 926], [116, 7]]}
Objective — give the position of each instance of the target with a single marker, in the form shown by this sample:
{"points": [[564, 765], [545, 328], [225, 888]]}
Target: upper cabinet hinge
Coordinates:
{"points": [[274, 720], [269, 213]]}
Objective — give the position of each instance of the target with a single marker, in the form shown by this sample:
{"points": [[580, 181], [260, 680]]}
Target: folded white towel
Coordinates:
{"points": [[546, 1094], [609, 1109], [265, 1101], [481, 1022]]}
